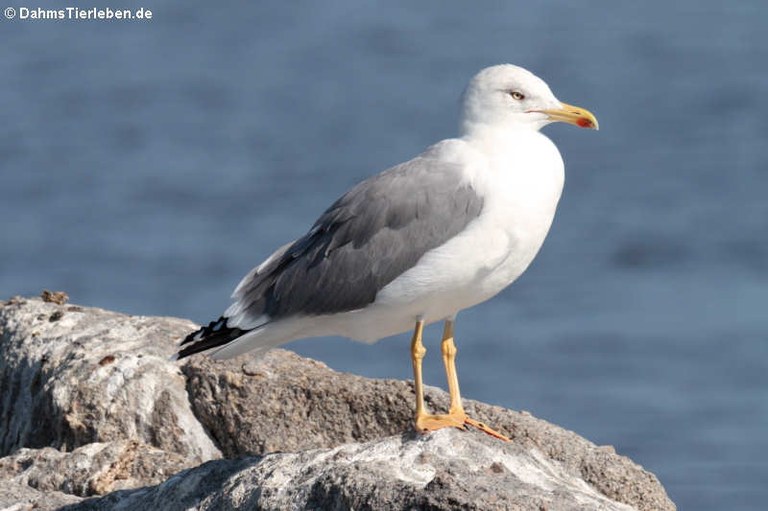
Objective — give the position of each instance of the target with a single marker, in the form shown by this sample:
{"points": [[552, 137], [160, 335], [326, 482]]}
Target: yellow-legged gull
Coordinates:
{"points": [[417, 243]]}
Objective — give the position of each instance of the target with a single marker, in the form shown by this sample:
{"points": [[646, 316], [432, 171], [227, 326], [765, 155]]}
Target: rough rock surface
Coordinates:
{"points": [[71, 376], [446, 470], [91, 405], [92, 469], [283, 402], [15, 496]]}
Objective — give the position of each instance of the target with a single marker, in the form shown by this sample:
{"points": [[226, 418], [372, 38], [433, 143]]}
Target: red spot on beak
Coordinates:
{"points": [[583, 122]]}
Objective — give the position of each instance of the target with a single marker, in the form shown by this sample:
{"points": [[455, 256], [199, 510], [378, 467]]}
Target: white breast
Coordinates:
{"points": [[523, 188]]}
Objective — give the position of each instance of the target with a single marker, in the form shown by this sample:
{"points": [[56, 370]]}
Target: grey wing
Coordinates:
{"points": [[366, 239]]}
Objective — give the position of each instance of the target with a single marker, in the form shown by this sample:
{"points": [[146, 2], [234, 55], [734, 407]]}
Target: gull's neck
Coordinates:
{"points": [[502, 134]]}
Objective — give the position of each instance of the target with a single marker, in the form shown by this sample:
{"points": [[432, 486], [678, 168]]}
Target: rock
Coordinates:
{"points": [[93, 469], [92, 406], [16, 496], [184, 491], [283, 402], [57, 297], [71, 376], [448, 469]]}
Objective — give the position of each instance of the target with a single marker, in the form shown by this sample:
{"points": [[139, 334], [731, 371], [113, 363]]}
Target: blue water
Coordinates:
{"points": [[145, 166]]}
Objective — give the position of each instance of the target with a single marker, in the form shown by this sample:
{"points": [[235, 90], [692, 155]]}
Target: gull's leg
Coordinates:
{"points": [[417, 355], [425, 421], [448, 347], [456, 417]]}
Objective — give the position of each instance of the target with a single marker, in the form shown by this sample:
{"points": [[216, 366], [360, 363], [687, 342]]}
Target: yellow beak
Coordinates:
{"points": [[575, 115]]}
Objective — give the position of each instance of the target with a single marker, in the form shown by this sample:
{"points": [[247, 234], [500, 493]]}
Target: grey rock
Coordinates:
{"points": [[91, 405], [283, 402], [71, 376], [15, 496], [448, 469], [93, 469], [185, 491]]}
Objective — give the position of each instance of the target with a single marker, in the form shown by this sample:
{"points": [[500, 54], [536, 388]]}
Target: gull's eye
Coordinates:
{"points": [[519, 96]]}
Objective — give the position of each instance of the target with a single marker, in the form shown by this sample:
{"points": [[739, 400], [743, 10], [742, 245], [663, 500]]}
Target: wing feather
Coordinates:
{"points": [[367, 238]]}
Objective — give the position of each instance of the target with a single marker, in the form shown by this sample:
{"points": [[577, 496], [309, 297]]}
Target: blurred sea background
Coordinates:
{"points": [[145, 166]]}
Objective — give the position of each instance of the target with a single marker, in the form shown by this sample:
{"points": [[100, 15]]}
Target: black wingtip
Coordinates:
{"points": [[215, 334]]}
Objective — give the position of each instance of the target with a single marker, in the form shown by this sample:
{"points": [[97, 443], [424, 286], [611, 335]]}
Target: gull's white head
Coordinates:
{"points": [[507, 96]]}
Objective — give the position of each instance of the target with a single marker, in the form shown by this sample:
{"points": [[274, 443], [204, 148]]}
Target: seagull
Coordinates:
{"points": [[416, 243]]}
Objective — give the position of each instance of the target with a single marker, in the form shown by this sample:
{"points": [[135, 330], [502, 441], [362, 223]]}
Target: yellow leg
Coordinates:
{"points": [[425, 421], [456, 416], [417, 355], [448, 349]]}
